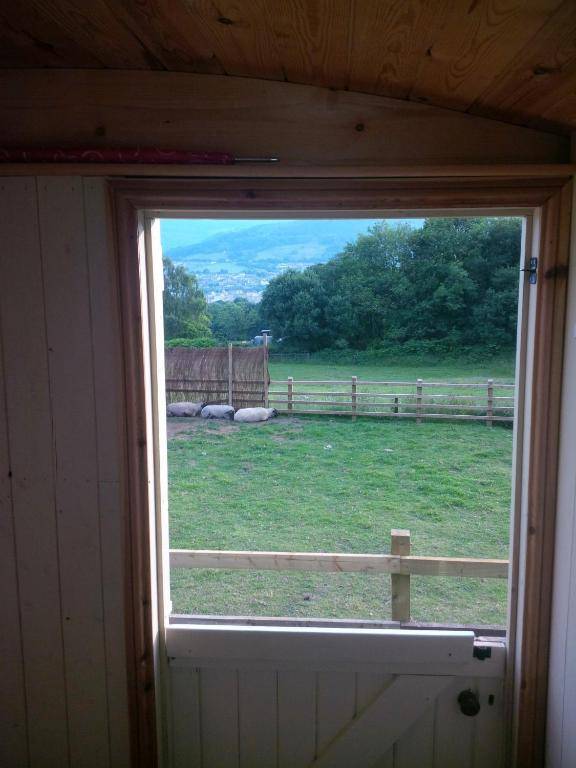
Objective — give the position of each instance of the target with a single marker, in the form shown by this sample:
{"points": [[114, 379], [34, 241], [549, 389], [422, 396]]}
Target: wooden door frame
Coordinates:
{"points": [[548, 198]]}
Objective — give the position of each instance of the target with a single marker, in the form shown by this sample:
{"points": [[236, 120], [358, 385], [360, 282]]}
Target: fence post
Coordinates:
{"points": [[230, 374], [265, 365], [354, 397], [418, 401], [490, 403], [290, 392], [400, 545], [395, 410]]}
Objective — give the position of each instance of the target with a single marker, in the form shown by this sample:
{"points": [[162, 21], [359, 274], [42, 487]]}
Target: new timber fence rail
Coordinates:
{"points": [[487, 401], [400, 564]]}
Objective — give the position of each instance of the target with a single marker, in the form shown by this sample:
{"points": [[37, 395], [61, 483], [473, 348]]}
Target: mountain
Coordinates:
{"points": [[178, 232], [241, 261]]}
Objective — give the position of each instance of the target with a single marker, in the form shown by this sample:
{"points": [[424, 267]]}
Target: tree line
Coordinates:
{"points": [[449, 284]]}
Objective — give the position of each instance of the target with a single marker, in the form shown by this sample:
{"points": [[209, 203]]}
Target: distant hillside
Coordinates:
{"points": [[241, 262]]}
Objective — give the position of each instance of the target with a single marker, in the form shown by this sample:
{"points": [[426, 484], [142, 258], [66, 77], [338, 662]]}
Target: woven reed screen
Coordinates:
{"points": [[202, 375]]}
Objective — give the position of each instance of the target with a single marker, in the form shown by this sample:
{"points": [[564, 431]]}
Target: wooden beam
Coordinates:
{"points": [[336, 563], [321, 647], [282, 170], [300, 124]]}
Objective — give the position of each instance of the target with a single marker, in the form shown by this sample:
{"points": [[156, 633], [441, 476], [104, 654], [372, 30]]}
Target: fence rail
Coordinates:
{"points": [[400, 565], [488, 401]]}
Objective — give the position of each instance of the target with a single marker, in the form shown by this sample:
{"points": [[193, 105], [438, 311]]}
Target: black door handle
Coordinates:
{"points": [[469, 704]]}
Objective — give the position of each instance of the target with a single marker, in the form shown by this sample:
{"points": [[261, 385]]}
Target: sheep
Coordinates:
{"points": [[184, 409], [255, 414], [218, 412]]}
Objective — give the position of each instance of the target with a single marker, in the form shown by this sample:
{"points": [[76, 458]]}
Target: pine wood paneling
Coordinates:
{"points": [[509, 58], [535, 87], [476, 46], [169, 31], [297, 123], [77, 33], [241, 36], [390, 43], [314, 40]]}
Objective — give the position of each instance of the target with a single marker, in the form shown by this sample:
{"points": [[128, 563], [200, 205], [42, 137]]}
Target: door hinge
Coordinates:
{"points": [[531, 270]]}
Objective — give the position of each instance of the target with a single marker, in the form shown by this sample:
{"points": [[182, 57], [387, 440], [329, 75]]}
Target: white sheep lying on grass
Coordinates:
{"points": [[255, 414], [184, 409], [217, 412]]}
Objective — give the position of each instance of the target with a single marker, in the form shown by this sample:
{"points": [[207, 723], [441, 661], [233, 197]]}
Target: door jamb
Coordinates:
{"points": [[550, 200]]}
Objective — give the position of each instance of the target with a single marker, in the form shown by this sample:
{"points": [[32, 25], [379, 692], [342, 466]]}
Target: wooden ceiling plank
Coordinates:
{"points": [[391, 38], [297, 123], [38, 41], [240, 34], [541, 77], [168, 29], [313, 38], [19, 50], [476, 45], [89, 27], [563, 113]]}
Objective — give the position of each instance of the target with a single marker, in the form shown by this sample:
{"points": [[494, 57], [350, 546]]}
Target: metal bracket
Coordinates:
{"points": [[532, 270]]}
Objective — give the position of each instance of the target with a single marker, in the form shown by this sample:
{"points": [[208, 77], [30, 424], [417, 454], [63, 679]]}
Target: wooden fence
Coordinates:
{"points": [[400, 564], [487, 401], [232, 375]]}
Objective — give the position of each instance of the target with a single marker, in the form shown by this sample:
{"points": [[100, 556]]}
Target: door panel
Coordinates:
{"points": [[370, 713]]}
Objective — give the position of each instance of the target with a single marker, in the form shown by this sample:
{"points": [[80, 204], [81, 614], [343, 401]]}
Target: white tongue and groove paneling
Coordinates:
{"points": [[313, 711], [31, 439], [63, 647], [70, 361], [13, 726]]}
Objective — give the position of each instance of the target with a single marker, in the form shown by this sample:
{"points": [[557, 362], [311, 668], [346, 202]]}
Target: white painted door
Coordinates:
{"points": [[244, 697]]}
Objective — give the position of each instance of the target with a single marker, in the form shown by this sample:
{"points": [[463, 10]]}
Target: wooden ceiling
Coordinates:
{"points": [[512, 60]]}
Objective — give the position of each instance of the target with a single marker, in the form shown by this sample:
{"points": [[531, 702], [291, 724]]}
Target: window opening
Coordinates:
{"points": [[380, 490]]}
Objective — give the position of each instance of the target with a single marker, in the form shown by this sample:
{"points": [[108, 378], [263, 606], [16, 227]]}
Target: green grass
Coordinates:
{"points": [[330, 484], [498, 369]]}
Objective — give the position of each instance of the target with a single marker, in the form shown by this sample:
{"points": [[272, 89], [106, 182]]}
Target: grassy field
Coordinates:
{"points": [[498, 369], [330, 484]]}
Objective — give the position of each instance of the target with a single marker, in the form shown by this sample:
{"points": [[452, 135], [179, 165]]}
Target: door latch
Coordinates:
{"points": [[531, 270], [469, 703]]}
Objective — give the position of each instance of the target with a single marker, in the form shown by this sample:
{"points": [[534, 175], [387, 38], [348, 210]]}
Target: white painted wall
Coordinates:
{"points": [[62, 645], [561, 735]]}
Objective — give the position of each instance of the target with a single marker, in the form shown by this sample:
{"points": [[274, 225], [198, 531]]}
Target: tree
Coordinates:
{"points": [[185, 308], [237, 320], [294, 307], [452, 282]]}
